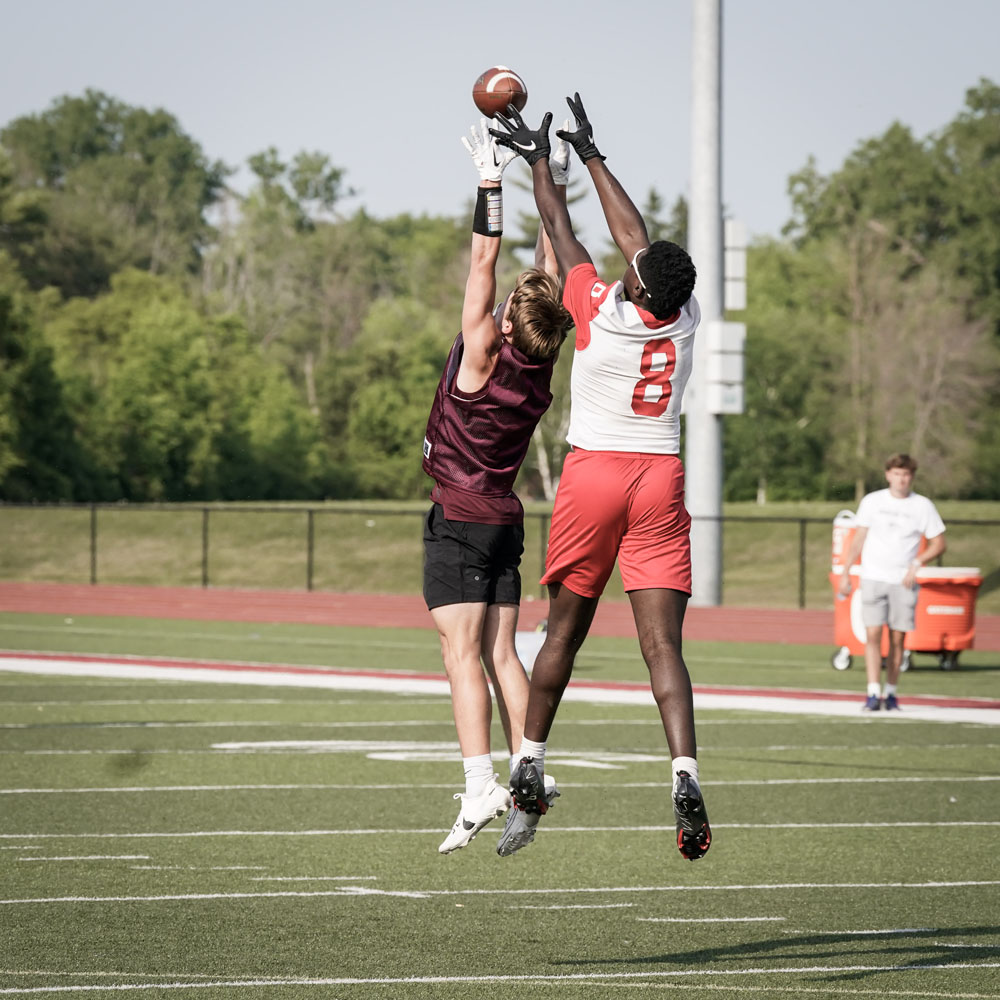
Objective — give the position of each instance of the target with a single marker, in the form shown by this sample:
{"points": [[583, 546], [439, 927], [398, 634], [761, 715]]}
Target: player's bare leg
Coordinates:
{"points": [[510, 682], [659, 617], [570, 617], [893, 665], [873, 666], [532, 790], [460, 629]]}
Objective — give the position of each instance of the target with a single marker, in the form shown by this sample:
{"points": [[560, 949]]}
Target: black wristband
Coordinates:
{"points": [[488, 217]]}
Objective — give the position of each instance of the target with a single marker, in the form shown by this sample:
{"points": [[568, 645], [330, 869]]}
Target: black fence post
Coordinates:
{"points": [[309, 549], [204, 546], [93, 543], [802, 563]]}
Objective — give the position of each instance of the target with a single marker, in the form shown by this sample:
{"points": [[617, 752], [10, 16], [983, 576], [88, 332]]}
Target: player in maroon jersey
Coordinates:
{"points": [[621, 493], [494, 390]]}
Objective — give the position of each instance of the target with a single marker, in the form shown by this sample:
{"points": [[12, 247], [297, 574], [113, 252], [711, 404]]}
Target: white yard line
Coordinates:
{"points": [[362, 891], [523, 977], [427, 786], [547, 831]]}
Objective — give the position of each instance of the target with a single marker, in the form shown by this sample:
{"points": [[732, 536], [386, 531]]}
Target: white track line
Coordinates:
{"points": [[331, 680]]}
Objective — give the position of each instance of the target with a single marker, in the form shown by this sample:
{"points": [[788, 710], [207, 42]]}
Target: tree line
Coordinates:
{"points": [[163, 337]]}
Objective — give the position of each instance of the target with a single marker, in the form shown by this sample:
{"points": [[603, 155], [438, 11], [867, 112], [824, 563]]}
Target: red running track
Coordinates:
{"points": [[613, 618]]}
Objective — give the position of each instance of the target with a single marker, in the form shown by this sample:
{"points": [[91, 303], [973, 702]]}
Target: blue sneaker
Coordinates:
{"points": [[872, 704], [891, 703]]}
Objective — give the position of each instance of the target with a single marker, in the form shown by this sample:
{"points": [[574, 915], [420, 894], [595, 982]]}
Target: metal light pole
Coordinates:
{"points": [[703, 422]]}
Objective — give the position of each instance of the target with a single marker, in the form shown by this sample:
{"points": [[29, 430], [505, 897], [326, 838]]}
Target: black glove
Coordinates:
{"points": [[518, 137], [582, 140]]}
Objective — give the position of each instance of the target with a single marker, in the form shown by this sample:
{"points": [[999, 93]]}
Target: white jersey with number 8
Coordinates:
{"points": [[629, 368]]}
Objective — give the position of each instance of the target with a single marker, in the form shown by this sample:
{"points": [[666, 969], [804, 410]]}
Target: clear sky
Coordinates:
{"points": [[384, 86]]}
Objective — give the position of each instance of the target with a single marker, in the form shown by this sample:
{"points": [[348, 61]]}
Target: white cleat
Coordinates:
{"points": [[475, 814], [519, 830]]}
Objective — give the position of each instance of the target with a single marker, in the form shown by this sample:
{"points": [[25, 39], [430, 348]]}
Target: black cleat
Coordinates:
{"points": [[694, 836]]}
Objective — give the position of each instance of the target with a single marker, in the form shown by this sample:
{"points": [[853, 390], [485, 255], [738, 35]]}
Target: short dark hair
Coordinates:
{"points": [[900, 460], [669, 275]]}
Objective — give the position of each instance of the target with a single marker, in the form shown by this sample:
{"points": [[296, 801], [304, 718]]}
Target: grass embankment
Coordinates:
{"points": [[376, 547]]}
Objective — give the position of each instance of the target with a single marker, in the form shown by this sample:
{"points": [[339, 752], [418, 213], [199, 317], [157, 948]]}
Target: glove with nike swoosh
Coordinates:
{"points": [[582, 140], [559, 160], [518, 137], [489, 161]]}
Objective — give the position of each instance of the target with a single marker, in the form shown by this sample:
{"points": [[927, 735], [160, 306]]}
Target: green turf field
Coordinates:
{"points": [[152, 841]]}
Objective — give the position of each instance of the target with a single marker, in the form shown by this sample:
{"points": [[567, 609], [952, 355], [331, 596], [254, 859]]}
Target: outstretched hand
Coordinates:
{"points": [[582, 138], [532, 145], [490, 161], [559, 160]]}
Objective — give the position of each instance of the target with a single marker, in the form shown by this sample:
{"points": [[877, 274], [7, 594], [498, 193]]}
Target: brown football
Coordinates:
{"points": [[498, 87]]}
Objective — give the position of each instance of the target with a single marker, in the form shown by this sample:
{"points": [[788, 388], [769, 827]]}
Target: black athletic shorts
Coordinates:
{"points": [[467, 563]]}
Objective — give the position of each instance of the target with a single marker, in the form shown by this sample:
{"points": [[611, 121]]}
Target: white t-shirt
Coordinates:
{"points": [[629, 368], [895, 526]]}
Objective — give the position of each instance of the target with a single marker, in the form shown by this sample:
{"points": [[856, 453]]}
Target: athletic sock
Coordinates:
{"points": [[874, 689], [536, 751], [688, 764], [888, 690], [478, 773]]}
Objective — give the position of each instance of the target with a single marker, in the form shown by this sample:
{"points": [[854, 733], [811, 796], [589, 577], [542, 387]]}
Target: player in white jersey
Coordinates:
{"points": [[890, 525], [621, 494]]}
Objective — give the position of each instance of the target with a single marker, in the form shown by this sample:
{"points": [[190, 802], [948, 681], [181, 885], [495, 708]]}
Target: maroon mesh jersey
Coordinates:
{"points": [[476, 442]]}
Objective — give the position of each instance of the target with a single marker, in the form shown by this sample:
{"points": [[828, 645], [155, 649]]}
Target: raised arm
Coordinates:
{"points": [[481, 336], [550, 199], [624, 221]]}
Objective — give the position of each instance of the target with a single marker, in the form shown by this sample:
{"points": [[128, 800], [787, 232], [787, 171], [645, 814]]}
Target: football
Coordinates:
{"points": [[498, 87]]}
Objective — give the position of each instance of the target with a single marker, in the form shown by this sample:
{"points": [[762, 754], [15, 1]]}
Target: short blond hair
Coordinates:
{"points": [[536, 313]]}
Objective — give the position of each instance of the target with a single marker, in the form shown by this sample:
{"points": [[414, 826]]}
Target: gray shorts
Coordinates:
{"points": [[889, 604]]}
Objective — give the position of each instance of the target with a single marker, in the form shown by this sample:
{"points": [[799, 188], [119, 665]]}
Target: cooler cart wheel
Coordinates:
{"points": [[906, 662], [841, 660], [948, 661]]}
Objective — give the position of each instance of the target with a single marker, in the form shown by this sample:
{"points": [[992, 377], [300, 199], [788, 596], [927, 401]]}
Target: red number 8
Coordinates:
{"points": [[661, 377]]}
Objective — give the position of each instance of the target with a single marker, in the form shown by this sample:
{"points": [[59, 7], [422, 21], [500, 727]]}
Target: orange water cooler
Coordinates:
{"points": [[945, 614]]}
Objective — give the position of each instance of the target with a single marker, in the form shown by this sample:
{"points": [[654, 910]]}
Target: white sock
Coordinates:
{"points": [[529, 748], [889, 689], [478, 773], [874, 689], [688, 764]]}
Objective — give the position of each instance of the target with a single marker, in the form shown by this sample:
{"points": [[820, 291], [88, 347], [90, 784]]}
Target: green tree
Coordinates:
{"points": [[39, 456], [174, 405], [120, 187]]}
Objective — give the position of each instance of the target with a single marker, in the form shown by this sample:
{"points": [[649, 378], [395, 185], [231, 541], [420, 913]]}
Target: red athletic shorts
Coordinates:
{"points": [[624, 505]]}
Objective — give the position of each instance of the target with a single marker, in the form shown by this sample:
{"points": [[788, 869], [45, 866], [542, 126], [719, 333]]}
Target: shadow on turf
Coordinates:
{"points": [[824, 948]]}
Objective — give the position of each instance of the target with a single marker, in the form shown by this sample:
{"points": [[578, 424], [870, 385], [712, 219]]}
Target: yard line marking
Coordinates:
{"points": [[196, 868], [317, 878], [94, 857], [357, 890], [238, 788], [418, 831], [873, 933], [228, 724], [325, 747], [578, 906], [708, 920], [514, 978], [908, 779]]}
